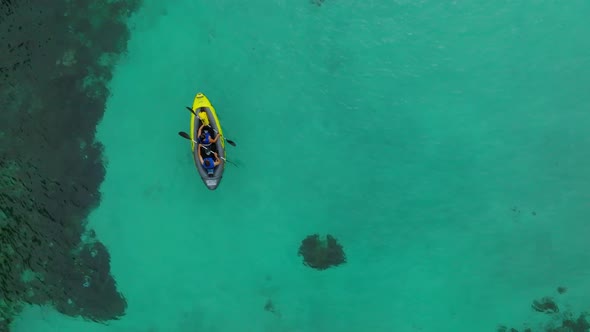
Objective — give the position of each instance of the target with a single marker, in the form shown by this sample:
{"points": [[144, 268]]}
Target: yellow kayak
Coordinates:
{"points": [[207, 116]]}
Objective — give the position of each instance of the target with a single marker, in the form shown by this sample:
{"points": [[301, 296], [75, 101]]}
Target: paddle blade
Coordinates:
{"points": [[231, 162], [232, 143], [190, 109], [185, 135]]}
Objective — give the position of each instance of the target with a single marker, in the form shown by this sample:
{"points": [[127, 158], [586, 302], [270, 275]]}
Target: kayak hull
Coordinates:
{"points": [[202, 106]]}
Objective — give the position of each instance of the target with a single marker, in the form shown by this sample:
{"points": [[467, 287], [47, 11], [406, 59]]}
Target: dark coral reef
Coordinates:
{"points": [[55, 68], [559, 320], [321, 254]]}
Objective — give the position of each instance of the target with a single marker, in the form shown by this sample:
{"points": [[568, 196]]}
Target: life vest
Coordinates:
{"points": [[211, 166], [206, 140]]}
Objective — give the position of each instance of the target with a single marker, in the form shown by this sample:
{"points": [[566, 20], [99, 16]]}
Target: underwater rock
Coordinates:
{"points": [[580, 324], [546, 305], [270, 307], [321, 254], [565, 321], [502, 328]]}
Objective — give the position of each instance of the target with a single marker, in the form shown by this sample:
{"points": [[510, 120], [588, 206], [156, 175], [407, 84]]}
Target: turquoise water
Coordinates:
{"points": [[444, 144]]}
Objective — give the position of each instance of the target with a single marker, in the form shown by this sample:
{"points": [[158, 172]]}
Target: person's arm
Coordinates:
{"points": [[217, 161], [199, 151], [216, 138], [199, 131]]}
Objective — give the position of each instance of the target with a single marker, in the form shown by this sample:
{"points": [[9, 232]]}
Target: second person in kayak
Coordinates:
{"points": [[208, 162]]}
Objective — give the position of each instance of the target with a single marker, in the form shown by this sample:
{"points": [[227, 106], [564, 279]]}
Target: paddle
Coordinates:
{"points": [[188, 137], [232, 143], [190, 109]]}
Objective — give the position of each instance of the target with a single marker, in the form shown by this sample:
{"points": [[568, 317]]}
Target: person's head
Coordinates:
{"points": [[208, 163]]}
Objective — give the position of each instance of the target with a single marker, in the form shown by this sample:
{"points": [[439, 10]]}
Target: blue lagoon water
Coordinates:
{"points": [[444, 144]]}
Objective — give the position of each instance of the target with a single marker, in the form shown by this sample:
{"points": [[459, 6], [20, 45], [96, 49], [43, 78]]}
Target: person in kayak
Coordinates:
{"points": [[209, 163], [204, 136]]}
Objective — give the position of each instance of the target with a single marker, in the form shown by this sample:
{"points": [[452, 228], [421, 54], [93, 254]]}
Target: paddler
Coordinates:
{"points": [[205, 138]]}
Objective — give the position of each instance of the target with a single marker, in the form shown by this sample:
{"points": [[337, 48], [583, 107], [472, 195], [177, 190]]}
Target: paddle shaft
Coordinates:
{"points": [[206, 148]]}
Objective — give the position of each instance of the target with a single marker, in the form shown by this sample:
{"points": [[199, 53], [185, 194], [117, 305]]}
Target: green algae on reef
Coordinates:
{"points": [[54, 87]]}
